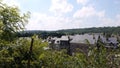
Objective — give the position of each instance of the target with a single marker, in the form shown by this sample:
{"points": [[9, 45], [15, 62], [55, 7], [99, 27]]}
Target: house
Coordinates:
{"points": [[112, 42], [81, 43], [60, 43], [77, 43]]}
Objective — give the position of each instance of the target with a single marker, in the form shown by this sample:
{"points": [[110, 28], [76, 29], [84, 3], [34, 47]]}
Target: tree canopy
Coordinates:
{"points": [[11, 21]]}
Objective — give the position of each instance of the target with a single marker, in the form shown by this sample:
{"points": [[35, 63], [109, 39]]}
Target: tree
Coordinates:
{"points": [[11, 21]]}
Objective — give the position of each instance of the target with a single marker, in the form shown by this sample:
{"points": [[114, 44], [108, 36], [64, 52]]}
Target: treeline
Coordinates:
{"points": [[41, 34], [59, 33], [114, 30]]}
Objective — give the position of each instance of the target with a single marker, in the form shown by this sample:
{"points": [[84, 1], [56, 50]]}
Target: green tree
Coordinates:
{"points": [[11, 21]]}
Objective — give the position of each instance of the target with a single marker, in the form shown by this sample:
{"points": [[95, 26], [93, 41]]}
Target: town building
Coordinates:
{"points": [[81, 43]]}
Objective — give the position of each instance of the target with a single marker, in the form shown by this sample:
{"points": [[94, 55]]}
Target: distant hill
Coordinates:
{"points": [[44, 34], [114, 30]]}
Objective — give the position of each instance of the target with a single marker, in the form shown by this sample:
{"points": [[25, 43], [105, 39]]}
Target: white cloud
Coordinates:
{"points": [[87, 16], [92, 18], [84, 12], [83, 2], [106, 21], [100, 14], [117, 20], [12, 2], [88, 11], [118, 16], [60, 7], [41, 21]]}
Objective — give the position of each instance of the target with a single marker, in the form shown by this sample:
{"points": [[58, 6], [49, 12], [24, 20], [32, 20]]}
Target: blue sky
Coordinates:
{"points": [[68, 14]]}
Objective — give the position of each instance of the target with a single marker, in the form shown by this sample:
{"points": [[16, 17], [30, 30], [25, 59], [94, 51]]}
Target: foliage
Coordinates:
{"points": [[11, 21], [16, 54], [42, 34], [102, 58]]}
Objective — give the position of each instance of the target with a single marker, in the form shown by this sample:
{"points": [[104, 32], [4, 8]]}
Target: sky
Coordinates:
{"points": [[69, 14]]}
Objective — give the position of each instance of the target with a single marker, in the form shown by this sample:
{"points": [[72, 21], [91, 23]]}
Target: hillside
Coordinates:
{"points": [[109, 30], [92, 30]]}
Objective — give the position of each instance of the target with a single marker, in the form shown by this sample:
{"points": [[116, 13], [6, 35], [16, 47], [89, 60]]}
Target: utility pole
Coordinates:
{"points": [[69, 47], [30, 53]]}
